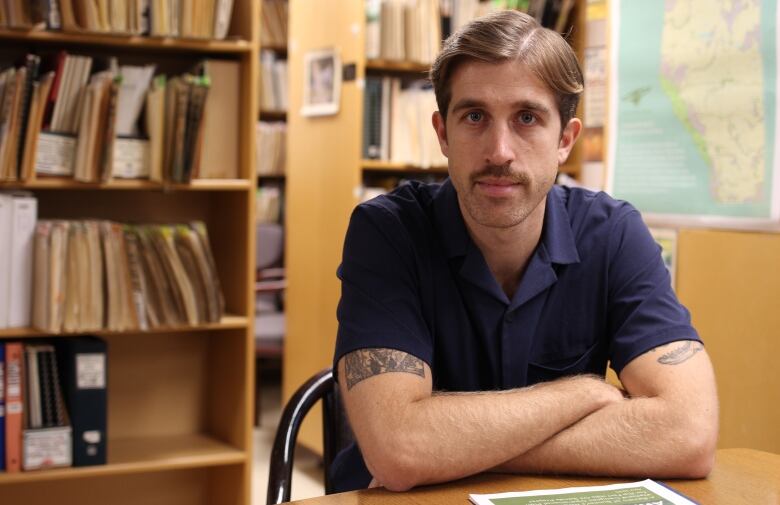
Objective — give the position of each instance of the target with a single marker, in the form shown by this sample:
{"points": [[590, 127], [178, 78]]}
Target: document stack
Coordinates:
{"points": [[164, 18], [396, 123], [94, 120], [102, 275], [56, 405], [274, 32], [403, 31]]}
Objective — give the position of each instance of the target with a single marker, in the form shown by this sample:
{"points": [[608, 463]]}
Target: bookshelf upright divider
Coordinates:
{"points": [[180, 399]]}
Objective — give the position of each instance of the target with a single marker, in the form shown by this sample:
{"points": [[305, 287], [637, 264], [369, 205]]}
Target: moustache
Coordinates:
{"points": [[500, 171]]}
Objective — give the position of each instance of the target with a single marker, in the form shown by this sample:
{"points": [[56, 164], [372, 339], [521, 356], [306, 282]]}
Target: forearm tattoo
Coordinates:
{"points": [[682, 353], [364, 363]]}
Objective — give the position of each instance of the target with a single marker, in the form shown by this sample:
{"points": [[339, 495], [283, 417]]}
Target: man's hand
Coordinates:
{"points": [[409, 436], [668, 428]]}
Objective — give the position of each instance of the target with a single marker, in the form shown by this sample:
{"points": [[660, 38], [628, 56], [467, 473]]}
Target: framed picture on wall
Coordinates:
{"points": [[322, 86]]}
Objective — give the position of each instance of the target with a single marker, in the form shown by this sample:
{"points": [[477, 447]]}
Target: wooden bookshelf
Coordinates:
{"points": [[228, 322], [180, 399], [125, 42], [323, 184], [140, 455], [409, 67], [132, 184], [280, 50], [273, 115], [389, 166]]}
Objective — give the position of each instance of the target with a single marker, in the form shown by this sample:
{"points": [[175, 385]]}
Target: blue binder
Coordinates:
{"points": [[2, 405], [83, 371]]}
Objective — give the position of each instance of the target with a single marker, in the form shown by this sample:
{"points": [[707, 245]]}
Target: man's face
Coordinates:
{"points": [[503, 140]]}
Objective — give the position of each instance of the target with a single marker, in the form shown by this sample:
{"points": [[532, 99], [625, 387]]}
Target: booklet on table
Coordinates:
{"points": [[646, 492]]}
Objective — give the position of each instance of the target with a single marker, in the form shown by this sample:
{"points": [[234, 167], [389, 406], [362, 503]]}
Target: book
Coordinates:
{"points": [[6, 221], [646, 492], [46, 436], [219, 155], [25, 216], [83, 373], [14, 406], [93, 275]]}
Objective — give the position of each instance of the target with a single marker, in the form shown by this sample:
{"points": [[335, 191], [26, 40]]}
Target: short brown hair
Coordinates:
{"points": [[512, 35]]}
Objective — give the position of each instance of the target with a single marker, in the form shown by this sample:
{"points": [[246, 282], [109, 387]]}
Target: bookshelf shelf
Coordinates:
{"points": [[125, 42], [132, 184], [388, 166], [397, 66], [273, 115], [280, 50], [144, 454], [228, 322]]}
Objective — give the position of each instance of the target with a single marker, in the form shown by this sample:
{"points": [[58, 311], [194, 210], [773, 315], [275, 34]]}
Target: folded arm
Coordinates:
{"points": [[667, 428], [409, 436]]}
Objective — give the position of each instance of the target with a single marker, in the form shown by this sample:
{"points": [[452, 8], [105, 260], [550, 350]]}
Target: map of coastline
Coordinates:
{"points": [[695, 107]]}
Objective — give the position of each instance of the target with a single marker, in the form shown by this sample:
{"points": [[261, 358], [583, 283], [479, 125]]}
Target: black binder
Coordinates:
{"points": [[83, 363]]}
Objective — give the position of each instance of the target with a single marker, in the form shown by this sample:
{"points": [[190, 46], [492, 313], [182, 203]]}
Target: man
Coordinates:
{"points": [[478, 316]]}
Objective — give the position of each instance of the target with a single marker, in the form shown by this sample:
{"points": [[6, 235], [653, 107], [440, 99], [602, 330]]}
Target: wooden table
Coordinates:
{"points": [[741, 476]]}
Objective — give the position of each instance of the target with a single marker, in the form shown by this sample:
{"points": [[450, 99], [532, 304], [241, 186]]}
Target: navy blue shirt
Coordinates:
{"points": [[595, 290]]}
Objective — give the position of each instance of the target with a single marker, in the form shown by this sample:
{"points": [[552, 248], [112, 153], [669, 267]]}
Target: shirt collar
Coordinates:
{"points": [[557, 235]]}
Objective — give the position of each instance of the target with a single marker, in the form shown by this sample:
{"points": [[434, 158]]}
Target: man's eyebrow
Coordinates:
{"points": [[467, 103], [531, 105]]}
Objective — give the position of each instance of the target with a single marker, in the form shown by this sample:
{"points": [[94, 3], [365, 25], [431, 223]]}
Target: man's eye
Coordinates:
{"points": [[474, 117], [527, 118]]}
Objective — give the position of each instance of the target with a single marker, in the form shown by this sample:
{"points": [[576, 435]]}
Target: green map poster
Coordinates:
{"points": [[693, 115]]}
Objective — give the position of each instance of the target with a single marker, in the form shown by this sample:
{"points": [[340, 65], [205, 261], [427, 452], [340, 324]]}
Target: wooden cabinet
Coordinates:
{"points": [[731, 284], [179, 399]]}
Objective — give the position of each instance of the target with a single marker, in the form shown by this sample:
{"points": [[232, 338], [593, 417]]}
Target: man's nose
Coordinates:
{"points": [[498, 150]]}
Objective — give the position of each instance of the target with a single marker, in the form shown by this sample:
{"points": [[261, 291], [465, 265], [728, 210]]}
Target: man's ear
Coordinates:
{"points": [[568, 138], [441, 132]]}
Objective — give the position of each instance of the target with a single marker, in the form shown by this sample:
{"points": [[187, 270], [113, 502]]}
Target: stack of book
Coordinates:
{"points": [[396, 123], [55, 404], [271, 139], [273, 82], [552, 14], [268, 204], [274, 32], [94, 120], [167, 18], [403, 31], [101, 275], [18, 216]]}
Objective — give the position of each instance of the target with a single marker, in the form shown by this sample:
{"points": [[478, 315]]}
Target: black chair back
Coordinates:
{"points": [[335, 431]]}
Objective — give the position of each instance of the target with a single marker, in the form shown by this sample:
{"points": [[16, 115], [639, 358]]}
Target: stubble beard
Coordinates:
{"points": [[502, 213]]}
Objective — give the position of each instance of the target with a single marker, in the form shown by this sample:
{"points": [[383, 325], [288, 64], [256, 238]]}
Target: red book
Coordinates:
{"points": [[14, 355], [59, 68]]}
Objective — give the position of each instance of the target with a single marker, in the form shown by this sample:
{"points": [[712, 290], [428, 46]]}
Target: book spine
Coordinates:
{"points": [[6, 217], [32, 64], [25, 216], [14, 407], [2, 407]]}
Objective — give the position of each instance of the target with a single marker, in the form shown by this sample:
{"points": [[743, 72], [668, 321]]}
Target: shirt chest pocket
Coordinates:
{"points": [[568, 355]]}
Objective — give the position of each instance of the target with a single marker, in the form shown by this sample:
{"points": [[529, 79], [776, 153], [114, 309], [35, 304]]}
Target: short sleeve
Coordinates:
{"points": [[643, 311], [380, 295]]}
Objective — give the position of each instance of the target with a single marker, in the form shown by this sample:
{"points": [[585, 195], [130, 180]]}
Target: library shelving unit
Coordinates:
{"points": [[179, 399], [325, 175], [268, 352]]}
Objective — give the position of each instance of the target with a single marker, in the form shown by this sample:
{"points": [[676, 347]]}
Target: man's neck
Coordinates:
{"points": [[508, 251]]}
